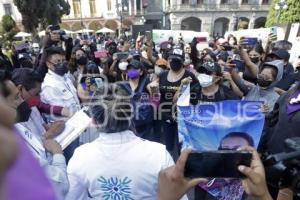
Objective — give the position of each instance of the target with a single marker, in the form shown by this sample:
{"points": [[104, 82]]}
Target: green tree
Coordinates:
{"points": [[35, 12], [290, 15], [8, 28]]}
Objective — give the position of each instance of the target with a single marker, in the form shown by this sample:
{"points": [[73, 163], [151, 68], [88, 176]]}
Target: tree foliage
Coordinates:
{"points": [[35, 12], [290, 15], [8, 28]]}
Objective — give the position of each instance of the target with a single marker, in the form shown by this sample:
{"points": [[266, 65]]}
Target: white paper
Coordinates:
{"points": [[75, 126], [184, 99]]}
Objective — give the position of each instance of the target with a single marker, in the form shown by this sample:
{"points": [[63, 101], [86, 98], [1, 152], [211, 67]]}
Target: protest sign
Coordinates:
{"points": [[224, 125]]}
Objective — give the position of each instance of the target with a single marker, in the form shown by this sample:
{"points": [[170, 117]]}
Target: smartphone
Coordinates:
{"points": [[216, 164], [99, 82], [148, 35], [122, 55], [274, 33], [101, 54], [251, 41]]}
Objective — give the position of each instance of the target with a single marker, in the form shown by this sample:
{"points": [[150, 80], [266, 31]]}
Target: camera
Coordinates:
{"points": [[283, 169]]}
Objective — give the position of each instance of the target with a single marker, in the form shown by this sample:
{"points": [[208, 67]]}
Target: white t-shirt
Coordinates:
{"points": [[117, 166]]}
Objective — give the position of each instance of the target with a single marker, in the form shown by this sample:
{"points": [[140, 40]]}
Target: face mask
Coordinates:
{"points": [[23, 112], [133, 74], [175, 65], [82, 60], [263, 83], [254, 59], [158, 70], [123, 66], [61, 69], [205, 80]]}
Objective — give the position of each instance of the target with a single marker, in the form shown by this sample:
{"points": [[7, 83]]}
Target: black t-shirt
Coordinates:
{"points": [[168, 90], [224, 93]]}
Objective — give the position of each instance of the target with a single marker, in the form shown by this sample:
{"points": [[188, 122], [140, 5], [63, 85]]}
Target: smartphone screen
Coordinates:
{"points": [[122, 56], [148, 35], [216, 164], [274, 33], [251, 41]]}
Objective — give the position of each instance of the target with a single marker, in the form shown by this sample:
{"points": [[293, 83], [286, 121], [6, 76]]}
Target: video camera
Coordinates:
{"points": [[283, 169]]}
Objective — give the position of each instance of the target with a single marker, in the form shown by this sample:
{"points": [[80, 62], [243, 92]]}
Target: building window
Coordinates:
{"points": [[224, 1], [245, 2], [109, 5], [200, 1], [138, 5], [93, 8], [185, 2], [76, 8], [266, 2], [7, 9]]}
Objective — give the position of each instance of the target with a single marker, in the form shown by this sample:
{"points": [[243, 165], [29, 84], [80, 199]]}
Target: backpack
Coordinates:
{"points": [[142, 107]]}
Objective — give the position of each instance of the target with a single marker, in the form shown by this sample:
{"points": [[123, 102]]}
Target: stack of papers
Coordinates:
{"points": [[75, 126]]}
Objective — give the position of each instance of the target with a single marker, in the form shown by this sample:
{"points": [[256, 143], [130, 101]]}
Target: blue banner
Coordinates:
{"points": [[224, 125]]}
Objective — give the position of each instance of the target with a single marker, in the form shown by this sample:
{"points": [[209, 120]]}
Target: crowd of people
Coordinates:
{"points": [[131, 87]]}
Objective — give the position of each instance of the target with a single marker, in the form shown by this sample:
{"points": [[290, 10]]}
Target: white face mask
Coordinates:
{"points": [[205, 80], [158, 70], [123, 66]]}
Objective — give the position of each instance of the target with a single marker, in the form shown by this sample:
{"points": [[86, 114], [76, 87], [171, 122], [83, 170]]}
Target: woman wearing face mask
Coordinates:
{"points": [[122, 66], [270, 74], [169, 86], [87, 85], [161, 66], [77, 64], [136, 86], [211, 87], [253, 61]]}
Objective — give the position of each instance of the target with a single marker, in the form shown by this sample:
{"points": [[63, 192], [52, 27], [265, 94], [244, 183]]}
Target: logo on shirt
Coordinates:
{"points": [[115, 188]]}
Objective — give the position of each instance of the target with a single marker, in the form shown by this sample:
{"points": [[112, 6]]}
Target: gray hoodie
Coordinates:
{"points": [[268, 96]]}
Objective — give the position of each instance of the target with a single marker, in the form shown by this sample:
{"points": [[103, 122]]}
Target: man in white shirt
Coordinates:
{"points": [[30, 126], [58, 89]]}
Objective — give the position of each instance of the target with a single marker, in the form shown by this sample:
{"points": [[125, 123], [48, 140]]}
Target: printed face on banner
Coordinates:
{"points": [[225, 125]]}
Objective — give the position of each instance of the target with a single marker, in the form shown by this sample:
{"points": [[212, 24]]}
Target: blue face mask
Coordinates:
{"points": [[133, 73], [61, 69]]}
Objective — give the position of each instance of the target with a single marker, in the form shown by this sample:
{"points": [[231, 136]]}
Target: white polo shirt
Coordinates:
{"points": [[59, 91], [117, 166]]}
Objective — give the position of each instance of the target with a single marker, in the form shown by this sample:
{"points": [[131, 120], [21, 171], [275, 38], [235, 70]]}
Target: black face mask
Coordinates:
{"points": [[23, 112], [263, 83], [254, 59], [176, 65], [61, 69], [82, 60]]}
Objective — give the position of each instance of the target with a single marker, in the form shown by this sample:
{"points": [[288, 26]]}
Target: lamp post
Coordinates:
{"points": [[81, 19], [281, 5], [121, 7]]}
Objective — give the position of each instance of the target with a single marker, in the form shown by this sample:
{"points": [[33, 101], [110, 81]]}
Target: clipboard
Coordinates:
{"points": [[74, 127]]}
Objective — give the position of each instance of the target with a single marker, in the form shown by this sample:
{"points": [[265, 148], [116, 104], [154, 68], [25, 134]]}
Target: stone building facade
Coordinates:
{"points": [[216, 16]]}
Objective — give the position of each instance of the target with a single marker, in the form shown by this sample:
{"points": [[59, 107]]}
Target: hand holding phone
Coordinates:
{"points": [[216, 164], [273, 34]]}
